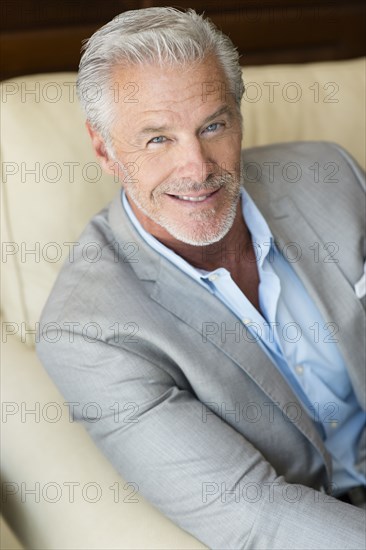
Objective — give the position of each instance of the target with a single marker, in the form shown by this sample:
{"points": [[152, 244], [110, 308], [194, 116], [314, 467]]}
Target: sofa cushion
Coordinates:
{"points": [[52, 185], [313, 101]]}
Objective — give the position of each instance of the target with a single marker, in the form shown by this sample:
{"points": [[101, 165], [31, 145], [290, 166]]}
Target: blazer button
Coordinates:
{"points": [[299, 369]]}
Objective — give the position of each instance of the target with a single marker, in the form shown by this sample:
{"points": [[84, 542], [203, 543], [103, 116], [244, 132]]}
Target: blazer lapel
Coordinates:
{"points": [[323, 280], [170, 291]]}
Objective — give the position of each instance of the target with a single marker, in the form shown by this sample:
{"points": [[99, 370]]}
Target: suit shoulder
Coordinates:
{"points": [[95, 270], [288, 166], [300, 151]]}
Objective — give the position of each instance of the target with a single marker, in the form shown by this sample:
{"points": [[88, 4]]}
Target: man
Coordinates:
{"points": [[223, 350]]}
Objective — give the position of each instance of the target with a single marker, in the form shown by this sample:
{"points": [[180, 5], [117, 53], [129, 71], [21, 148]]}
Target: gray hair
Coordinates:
{"points": [[158, 36]]}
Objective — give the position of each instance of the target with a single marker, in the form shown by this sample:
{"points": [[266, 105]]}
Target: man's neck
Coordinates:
{"points": [[235, 252]]}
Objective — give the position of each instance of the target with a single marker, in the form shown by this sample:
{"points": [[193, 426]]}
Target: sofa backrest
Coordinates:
{"points": [[52, 184]]}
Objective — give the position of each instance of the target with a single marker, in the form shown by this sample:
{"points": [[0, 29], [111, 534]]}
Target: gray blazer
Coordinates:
{"points": [[198, 417]]}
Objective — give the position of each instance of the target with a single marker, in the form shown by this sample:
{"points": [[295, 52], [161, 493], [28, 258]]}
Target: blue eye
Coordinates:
{"points": [[158, 139], [213, 127]]}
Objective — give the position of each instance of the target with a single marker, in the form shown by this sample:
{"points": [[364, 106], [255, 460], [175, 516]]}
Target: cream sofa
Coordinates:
{"points": [[58, 489]]}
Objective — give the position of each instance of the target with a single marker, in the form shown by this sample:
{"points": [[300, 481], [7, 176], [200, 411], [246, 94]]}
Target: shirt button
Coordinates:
{"points": [[334, 424], [213, 277], [299, 369], [246, 321]]}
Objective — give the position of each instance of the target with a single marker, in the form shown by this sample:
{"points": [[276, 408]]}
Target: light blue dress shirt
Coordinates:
{"points": [[294, 335]]}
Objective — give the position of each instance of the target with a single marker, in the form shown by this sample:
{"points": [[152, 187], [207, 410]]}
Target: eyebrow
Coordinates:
{"points": [[224, 109]]}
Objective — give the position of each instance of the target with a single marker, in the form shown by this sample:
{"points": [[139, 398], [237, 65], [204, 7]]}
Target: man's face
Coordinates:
{"points": [[179, 146]]}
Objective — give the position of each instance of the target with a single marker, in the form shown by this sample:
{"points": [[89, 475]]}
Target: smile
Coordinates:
{"points": [[194, 197]]}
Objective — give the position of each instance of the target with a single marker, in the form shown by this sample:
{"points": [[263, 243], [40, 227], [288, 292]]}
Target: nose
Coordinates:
{"points": [[193, 161]]}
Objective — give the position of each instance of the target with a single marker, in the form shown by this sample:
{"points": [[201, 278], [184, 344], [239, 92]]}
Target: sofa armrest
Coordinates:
{"points": [[59, 491]]}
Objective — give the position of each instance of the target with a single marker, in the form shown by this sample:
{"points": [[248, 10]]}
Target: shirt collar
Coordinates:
{"points": [[262, 237]]}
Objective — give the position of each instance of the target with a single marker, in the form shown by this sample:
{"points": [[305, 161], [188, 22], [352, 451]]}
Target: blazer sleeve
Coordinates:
{"points": [[194, 467]]}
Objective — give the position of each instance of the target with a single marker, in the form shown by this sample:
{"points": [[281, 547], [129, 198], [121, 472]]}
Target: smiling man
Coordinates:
{"points": [[229, 423], [179, 144]]}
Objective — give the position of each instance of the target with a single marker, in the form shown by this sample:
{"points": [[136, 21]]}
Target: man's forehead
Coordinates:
{"points": [[202, 82]]}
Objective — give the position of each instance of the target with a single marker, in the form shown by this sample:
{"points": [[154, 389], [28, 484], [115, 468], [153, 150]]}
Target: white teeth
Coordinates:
{"points": [[193, 199]]}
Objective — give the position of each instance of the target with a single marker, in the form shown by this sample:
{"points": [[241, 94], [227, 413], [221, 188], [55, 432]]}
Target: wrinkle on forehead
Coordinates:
{"points": [[168, 84]]}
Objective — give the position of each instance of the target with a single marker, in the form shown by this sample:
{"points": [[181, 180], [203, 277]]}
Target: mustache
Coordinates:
{"points": [[183, 186]]}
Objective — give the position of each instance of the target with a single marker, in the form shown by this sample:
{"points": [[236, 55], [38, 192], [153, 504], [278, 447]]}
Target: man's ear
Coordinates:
{"points": [[100, 149]]}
